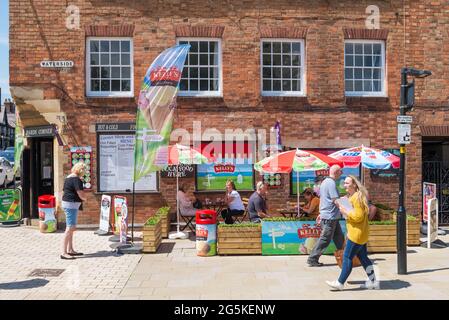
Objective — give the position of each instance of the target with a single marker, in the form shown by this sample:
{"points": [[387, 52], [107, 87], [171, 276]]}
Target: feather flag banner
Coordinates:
{"points": [[156, 106]]}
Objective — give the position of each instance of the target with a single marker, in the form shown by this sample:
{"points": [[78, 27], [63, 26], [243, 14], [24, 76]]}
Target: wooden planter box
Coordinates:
{"points": [[413, 232], [239, 240], [382, 238], [165, 225], [152, 237]]}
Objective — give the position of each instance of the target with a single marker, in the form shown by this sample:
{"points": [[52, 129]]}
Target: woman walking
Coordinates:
{"points": [[71, 201], [357, 226]]}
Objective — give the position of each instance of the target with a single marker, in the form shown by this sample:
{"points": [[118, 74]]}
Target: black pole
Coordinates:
{"points": [[401, 215]]}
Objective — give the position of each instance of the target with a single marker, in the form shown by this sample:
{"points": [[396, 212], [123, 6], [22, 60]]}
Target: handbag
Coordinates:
{"points": [[339, 257]]}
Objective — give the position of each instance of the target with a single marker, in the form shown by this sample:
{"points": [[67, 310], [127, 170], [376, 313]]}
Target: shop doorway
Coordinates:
{"points": [[435, 160], [41, 167]]}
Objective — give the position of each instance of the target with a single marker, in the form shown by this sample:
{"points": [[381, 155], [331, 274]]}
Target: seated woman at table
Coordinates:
{"points": [[185, 203], [312, 207], [234, 203]]}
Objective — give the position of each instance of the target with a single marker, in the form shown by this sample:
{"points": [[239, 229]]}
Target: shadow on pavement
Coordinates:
{"points": [[384, 285], [426, 271], [100, 254], [27, 284]]}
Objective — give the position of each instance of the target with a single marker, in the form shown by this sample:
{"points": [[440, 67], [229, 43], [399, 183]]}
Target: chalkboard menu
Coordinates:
{"points": [[83, 154], [184, 171]]}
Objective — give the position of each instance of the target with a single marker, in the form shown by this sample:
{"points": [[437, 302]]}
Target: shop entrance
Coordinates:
{"points": [[41, 167], [435, 160]]}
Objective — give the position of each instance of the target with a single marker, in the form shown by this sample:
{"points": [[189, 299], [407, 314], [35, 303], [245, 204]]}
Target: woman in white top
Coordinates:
{"points": [[185, 203], [234, 202]]}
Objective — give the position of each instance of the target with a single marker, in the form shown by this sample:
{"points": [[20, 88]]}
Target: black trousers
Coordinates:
{"points": [[228, 213]]}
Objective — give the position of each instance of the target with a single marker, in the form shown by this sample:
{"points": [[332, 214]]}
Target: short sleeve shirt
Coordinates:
{"points": [[329, 191], [237, 203], [71, 186], [256, 203]]}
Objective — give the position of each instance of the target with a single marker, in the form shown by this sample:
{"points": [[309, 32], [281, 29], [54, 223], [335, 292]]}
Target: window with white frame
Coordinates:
{"points": [[282, 63], [109, 67], [364, 68], [201, 75]]}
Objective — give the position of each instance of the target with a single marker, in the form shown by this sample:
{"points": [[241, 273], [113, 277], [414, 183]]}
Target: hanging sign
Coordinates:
{"points": [[105, 213], [83, 154], [183, 170]]}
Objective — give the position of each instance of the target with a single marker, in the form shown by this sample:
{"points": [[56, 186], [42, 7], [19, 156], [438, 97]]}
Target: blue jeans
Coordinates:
{"points": [[71, 217], [351, 250]]}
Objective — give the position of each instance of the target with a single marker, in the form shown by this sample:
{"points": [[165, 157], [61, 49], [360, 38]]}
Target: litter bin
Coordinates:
{"points": [[206, 233], [47, 220]]}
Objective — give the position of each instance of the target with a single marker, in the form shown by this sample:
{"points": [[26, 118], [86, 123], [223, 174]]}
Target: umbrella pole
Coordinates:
{"points": [[297, 190], [177, 199]]}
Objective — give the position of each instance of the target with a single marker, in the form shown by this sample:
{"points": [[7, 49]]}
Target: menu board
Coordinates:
{"points": [[83, 154], [116, 165]]}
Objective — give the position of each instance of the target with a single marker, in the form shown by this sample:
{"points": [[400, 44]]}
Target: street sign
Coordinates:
{"points": [[404, 119], [404, 133]]}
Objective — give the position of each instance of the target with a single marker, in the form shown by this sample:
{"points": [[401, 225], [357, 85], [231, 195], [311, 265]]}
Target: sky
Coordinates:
{"points": [[4, 49]]}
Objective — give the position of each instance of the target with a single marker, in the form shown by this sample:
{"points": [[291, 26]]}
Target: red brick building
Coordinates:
{"points": [[318, 67]]}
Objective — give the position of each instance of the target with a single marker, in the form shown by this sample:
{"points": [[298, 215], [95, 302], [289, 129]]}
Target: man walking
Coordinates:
{"points": [[328, 218]]}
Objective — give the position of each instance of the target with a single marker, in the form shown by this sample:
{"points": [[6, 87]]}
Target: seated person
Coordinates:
{"points": [[257, 204], [185, 203], [372, 209], [316, 186], [312, 207], [234, 203]]}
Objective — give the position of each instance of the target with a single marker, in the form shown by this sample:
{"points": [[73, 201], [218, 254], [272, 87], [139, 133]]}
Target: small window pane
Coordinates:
{"points": [[193, 85], [286, 47], [359, 61], [115, 85], [126, 46], [104, 45], [126, 72], [296, 85], [213, 59], [367, 73], [115, 46], [213, 85], [286, 73], [277, 60], [266, 47], [296, 47], [296, 73], [115, 73], [204, 46], [105, 85], [204, 59], [126, 59], [349, 48], [194, 46], [349, 61], [95, 72], [95, 85], [104, 59], [358, 73], [267, 85], [126, 85], [276, 73], [376, 74], [94, 59], [286, 60], [185, 72], [204, 85], [377, 61], [349, 85], [213, 47], [368, 48], [213, 72], [193, 73], [115, 59], [358, 85], [193, 59], [276, 85], [183, 85], [204, 73], [105, 72], [286, 85], [358, 48], [267, 72], [376, 86], [349, 73], [266, 59], [276, 47], [368, 61], [94, 46], [367, 86], [377, 48], [296, 61]]}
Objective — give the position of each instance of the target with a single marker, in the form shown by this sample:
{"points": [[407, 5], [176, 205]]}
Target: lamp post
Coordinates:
{"points": [[406, 104]]}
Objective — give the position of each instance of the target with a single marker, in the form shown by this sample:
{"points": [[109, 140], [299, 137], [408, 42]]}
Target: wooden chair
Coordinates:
{"points": [[240, 218]]}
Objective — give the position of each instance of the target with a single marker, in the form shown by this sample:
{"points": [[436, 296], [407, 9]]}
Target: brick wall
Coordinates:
{"points": [[38, 32]]}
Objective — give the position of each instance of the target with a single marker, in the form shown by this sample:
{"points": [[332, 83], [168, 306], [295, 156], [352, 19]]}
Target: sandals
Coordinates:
{"points": [[67, 258], [75, 254]]}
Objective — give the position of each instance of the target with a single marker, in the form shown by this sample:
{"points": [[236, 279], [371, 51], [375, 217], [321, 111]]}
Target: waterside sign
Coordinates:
{"points": [[57, 64]]}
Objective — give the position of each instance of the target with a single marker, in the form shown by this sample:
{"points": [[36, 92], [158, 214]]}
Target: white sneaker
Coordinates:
{"points": [[335, 285], [370, 285]]}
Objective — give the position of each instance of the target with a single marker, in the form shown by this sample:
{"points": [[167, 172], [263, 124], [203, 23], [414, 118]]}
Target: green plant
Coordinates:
{"points": [[153, 220], [385, 223], [239, 225], [382, 206], [163, 211], [411, 218]]}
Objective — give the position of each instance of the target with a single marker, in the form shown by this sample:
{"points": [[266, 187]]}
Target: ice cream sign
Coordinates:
{"points": [[308, 231], [220, 168]]}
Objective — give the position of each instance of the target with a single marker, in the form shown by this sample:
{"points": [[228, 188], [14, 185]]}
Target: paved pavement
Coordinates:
{"points": [[177, 273]]}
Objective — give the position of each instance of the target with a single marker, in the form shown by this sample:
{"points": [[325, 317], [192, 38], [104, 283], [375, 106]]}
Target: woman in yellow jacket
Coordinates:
{"points": [[357, 227]]}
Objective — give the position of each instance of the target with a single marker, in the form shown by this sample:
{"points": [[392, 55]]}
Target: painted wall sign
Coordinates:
{"points": [[57, 64], [43, 131], [184, 171]]}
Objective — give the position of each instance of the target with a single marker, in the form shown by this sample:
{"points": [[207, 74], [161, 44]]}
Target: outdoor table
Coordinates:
{"points": [[217, 206], [285, 212]]}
